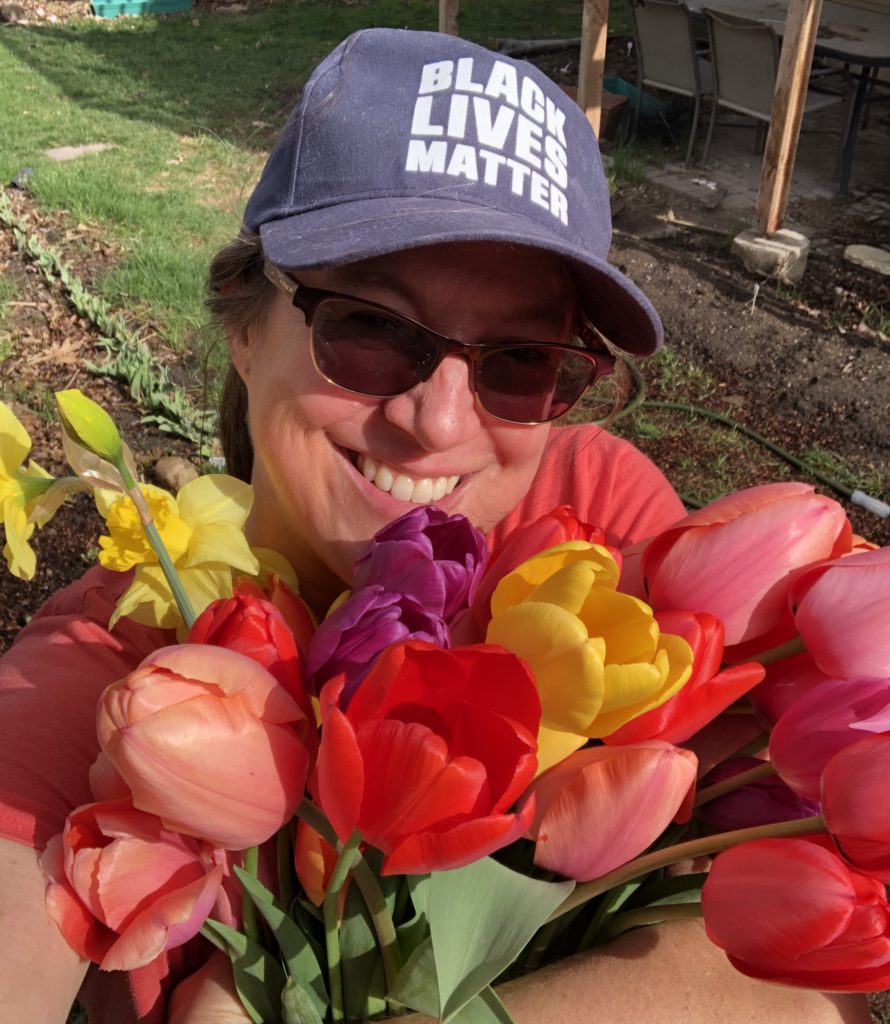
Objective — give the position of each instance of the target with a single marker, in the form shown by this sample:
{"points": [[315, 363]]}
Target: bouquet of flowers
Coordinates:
{"points": [[527, 739]]}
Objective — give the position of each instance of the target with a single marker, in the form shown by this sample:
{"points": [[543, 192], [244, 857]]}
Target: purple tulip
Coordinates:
{"points": [[435, 558], [352, 636], [762, 802]]}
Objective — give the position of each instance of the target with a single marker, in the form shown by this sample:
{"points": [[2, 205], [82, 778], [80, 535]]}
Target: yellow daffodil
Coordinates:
{"points": [[20, 488], [202, 529], [598, 656]]}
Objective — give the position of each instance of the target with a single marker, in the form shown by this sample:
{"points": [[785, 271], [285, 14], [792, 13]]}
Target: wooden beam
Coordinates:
{"points": [[448, 10], [795, 61], [594, 25]]}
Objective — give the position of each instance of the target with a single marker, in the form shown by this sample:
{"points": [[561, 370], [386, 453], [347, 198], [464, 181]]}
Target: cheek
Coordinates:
{"points": [[519, 451]]}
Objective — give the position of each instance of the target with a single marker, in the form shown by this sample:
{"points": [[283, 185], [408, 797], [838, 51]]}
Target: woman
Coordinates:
{"points": [[420, 288]]}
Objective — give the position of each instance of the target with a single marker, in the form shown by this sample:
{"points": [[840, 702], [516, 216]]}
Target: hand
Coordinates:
{"points": [[207, 996]]}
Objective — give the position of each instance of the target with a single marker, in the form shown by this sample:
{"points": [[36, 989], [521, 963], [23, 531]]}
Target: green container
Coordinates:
{"points": [[112, 8]]}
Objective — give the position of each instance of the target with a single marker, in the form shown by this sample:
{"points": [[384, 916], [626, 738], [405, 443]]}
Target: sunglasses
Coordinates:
{"points": [[372, 350]]}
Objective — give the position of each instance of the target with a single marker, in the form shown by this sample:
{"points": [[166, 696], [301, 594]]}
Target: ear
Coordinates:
{"points": [[241, 342]]}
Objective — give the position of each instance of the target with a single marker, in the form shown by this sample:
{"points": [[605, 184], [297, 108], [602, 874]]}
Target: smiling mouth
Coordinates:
{"points": [[420, 491]]}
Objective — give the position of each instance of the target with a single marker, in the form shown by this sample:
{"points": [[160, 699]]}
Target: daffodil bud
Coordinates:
{"points": [[89, 425]]}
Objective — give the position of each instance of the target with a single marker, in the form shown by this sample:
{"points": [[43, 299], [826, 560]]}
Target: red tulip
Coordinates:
{"points": [[708, 692], [254, 627], [734, 558], [855, 805], [556, 527], [785, 682], [842, 611], [834, 715], [122, 888], [206, 739], [791, 911], [602, 806], [432, 751]]}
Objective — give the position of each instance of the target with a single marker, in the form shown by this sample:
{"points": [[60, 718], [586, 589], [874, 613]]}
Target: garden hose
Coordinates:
{"points": [[857, 497]]}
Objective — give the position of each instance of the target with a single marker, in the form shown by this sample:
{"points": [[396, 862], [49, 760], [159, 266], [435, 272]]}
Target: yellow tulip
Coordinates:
{"points": [[20, 488], [598, 656], [202, 529]]}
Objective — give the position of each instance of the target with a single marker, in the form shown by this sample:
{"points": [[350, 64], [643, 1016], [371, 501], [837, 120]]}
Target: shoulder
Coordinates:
{"points": [[608, 481]]}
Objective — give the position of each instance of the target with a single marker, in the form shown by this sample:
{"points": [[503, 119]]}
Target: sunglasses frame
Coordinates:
{"points": [[307, 300]]}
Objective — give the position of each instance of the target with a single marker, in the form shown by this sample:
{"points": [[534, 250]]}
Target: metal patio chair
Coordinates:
{"points": [[745, 56], [667, 57]]}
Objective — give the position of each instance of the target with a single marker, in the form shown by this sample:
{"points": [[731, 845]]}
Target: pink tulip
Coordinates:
{"points": [[855, 805], [785, 682], [708, 691], [834, 715], [208, 740], [734, 558], [556, 527], [602, 806], [791, 911], [122, 888], [842, 612]]}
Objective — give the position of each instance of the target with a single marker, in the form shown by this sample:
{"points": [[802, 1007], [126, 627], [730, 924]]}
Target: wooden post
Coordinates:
{"points": [[795, 61], [448, 16], [594, 26]]}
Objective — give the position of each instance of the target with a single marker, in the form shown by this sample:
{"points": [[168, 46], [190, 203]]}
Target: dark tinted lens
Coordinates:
{"points": [[532, 383], [369, 351]]}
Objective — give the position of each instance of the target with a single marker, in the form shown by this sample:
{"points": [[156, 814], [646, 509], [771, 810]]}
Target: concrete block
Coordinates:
{"points": [[869, 257], [782, 255], [62, 153]]}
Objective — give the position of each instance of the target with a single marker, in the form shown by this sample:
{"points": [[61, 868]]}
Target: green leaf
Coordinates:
{"points": [[481, 917], [673, 890], [413, 932], [296, 951], [418, 988], [297, 1005], [259, 979], [364, 984]]}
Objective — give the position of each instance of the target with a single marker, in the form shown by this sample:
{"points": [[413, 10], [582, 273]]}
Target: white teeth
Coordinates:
{"points": [[405, 488]]}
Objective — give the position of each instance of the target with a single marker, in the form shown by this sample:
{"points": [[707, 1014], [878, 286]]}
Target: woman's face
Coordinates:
{"points": [[314, 444]]}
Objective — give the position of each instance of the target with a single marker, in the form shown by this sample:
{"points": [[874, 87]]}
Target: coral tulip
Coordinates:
{"points": [[708, 692], [122, 888], [207, 739], [761, 802], [855, 806], [791, 911], [556, 527], [835, 714], [314, 862], [842, 610], [602, 806], [283, 595], [598, 656], [435, 558], [785, 682], [253, 627], [734, 558], [356, 631], [430, 754]]}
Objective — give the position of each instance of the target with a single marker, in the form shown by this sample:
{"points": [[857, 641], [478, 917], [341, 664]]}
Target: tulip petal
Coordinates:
{"points": [[554, 746], [341, 773]]}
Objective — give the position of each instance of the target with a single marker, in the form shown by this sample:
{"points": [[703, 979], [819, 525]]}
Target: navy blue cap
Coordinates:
{"points": [[404, 139]]}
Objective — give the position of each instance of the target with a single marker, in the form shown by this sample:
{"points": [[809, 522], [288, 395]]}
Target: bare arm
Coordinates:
{"points": [[660, 975], [39, 972]]}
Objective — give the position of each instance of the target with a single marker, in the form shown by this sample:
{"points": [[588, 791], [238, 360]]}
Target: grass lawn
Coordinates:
{"points": [[191, 104]]}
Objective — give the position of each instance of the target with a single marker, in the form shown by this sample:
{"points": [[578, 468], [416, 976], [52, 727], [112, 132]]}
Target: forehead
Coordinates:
{"points": [[517, 280]]}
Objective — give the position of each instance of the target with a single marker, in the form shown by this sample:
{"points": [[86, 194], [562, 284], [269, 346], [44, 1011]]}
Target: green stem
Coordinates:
{"points": [[753, 746], [688, 850], [541, 941], [284, 853], [157, 545], [651, 915], [769, 657], [348, 852], [760, 771], [370, 890], [248, 910]]}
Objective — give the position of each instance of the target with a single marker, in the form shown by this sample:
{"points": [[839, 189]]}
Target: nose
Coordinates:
{"points": [[442, 413]]}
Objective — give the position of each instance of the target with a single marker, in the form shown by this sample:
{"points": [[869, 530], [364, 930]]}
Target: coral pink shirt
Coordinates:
{"points": [[52, 676]]}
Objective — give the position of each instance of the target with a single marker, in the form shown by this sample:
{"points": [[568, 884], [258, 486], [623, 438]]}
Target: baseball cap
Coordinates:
{"points": [[404, 139]]}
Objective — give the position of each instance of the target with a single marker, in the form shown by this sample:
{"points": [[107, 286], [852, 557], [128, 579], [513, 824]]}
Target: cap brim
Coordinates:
{"points": [[364, 228]]}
